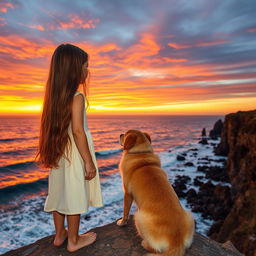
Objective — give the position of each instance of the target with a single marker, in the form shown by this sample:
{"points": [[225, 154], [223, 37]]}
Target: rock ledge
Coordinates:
{"points": [[116, 241]]}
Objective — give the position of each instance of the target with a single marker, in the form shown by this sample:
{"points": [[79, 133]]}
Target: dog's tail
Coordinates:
{"points": [[190, 223], [190, 228], [179, 250]]}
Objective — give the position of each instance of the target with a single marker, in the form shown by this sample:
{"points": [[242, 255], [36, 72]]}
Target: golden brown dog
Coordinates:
{"points": [[165, 227]]}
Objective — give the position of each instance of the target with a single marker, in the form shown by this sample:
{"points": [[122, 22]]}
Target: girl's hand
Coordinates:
{"points": [[90, 171]]}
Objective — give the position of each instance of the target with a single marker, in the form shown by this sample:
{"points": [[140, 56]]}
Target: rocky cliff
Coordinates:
{"points": [[238, 142], [116, 241]]}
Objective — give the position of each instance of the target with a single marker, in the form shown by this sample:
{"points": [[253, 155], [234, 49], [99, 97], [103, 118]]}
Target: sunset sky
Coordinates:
{"points": [[146, 56]]}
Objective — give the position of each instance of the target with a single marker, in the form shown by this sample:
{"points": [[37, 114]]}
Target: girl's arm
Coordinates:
{"points": [[77, 124]]}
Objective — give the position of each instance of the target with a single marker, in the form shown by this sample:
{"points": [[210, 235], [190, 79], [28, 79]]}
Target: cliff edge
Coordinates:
{"points": [[120, 241], [238, 143]]}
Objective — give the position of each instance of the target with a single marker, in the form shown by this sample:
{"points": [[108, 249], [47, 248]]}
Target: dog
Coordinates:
{"points": [[165, 227]]}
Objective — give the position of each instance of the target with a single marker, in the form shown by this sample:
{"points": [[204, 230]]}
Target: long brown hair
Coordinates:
{"points": [[65, 75]]}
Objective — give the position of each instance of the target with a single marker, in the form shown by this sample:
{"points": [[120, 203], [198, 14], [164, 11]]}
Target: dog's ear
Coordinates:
{"points": [[147, 135], [130, 141], [121, 139]]}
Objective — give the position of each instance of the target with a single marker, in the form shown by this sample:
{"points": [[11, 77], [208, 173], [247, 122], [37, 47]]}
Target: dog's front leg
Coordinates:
{"points": [[128, 199]]}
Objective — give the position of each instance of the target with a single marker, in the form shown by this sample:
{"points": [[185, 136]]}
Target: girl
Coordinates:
{"points": [[66, 147]]}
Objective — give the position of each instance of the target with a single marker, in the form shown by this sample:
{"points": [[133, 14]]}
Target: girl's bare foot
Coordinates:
{"points": [[82, 241], [59, 240]]}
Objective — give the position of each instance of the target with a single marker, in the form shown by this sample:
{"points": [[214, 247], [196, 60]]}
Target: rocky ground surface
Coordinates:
{"points": [[121, 241]]}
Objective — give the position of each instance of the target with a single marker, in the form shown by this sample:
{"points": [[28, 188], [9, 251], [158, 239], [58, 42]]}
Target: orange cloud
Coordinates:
{"points": [[198, 44], [125, 80], [38, 27], [78, 22], [146, 47], [5, 6], [74, 22], [21, 48]]}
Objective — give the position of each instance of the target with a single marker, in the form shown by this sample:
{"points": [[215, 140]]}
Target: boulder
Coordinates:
{"points": [[180, 158]]}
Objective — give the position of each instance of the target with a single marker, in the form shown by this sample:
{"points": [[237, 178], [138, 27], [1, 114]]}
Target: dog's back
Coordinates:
{"points": [[160, 220]]}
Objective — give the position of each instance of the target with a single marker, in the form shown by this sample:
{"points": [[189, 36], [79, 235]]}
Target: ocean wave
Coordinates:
{"points": [[21, 165], [19, 152], [32, 187], [108, 167], [17, 139], [10, 192], [108, 152]]}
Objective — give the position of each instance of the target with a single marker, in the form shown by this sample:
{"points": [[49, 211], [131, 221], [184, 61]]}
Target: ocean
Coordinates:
{"points": [[23, 186]]}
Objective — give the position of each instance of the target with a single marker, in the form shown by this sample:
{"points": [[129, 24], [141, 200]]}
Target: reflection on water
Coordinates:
{"points": [[165, 132]]}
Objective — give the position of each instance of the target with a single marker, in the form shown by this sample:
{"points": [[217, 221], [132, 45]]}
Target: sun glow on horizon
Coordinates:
{"points": [[205, 107]]}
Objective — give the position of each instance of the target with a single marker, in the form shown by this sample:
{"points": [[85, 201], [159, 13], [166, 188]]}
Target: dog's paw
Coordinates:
{"points": [[122, 222]]}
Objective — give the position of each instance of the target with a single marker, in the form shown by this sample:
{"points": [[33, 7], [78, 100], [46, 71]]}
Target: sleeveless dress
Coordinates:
{"points": [[68, 191]]}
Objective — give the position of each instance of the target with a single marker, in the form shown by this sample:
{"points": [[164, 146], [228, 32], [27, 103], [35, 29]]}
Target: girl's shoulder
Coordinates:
{"points": [[77, 92]]}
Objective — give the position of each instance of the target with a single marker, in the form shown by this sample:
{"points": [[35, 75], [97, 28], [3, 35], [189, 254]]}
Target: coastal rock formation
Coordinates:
{"points": [[238, 142], [180, 158], [212, 201], [113, 240], [179, 185], [204, 138], [216, 131]]}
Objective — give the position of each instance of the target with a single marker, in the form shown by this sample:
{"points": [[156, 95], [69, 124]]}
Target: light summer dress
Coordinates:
{"points": [[68, 191]]}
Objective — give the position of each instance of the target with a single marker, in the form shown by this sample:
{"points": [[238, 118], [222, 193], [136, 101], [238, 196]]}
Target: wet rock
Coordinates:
{"points": [[202, 168], [188, 164], [179, 185], [203, 132], [193, 149], [176, 170], [212, 201], [180, 158], [87, 217], [203, 141], [191, 195], [197, 181], [206, 158], [217, 173]]}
